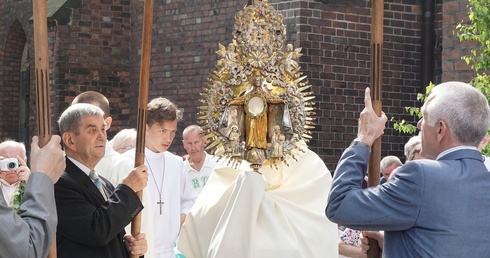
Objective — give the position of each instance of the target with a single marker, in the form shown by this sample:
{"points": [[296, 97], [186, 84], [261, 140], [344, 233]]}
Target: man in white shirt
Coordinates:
{"points": [[168, 195], [12, 176], [198, 164]]}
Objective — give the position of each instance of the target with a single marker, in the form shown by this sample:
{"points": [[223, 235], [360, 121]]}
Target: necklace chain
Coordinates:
{"points": [[155, 181]]}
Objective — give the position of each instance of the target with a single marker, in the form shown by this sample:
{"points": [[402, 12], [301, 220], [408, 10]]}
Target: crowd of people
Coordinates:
{"points": [[90, 204], [81, 189]]}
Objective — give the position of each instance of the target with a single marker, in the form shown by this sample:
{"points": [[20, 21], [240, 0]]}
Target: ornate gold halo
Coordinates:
{"points": [[257, 70]]}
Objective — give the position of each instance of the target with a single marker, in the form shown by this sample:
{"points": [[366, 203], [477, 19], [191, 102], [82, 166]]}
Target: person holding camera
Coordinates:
{"points": [[14, 172]]}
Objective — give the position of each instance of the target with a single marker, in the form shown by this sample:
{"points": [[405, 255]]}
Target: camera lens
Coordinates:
{"points": [[11, 165]]}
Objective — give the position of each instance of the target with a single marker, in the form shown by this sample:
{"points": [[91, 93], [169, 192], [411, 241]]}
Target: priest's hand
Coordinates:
{"points": [[136, 245], [137, 179], [371, 126]]}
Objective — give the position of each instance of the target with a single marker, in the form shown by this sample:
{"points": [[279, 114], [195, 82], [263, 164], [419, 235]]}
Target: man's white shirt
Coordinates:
{"points": [[198, 179]]}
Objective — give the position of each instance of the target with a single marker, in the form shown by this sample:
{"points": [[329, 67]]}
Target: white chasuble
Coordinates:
{"points": [[236, 216]]}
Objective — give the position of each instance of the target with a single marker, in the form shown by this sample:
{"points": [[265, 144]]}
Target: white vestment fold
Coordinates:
{"points": [[236, 216]]}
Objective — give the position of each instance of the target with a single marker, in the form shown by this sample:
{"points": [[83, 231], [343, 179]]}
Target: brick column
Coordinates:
{"points": [[453, 68]]}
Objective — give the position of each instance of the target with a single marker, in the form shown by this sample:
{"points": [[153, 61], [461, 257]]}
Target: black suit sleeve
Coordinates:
{"points": [[85, 219]]}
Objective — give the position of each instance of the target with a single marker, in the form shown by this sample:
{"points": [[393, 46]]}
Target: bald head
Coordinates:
{"points": [[13, 147], [194, 142], [94, 98], [191, 129]]}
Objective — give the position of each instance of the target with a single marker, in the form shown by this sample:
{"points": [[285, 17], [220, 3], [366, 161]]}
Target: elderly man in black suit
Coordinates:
{"points": [[92, 213]]}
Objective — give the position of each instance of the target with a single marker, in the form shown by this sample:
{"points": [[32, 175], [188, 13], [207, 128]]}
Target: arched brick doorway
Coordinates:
{"points": [[14, 86]]}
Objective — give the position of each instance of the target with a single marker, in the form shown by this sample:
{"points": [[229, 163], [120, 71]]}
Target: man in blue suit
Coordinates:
{"points": [[435, 207]]}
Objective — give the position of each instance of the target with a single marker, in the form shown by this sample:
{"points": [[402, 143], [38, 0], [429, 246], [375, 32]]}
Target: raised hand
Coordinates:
{"points": [[371, 126]]}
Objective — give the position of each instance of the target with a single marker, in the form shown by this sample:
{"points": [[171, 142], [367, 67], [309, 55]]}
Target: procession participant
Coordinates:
{"points": [[113, 166], [92, 213], [169, 193], [456, 117], [199, 164]]}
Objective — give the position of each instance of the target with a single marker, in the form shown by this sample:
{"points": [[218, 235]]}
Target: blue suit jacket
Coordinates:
{"points": [[428, 209]]}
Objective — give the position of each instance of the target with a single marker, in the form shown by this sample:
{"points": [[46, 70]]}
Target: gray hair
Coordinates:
{"points": [[129, 134], [15, 144], [69, 120], [464, 108], [390, 160], [411, 144]]}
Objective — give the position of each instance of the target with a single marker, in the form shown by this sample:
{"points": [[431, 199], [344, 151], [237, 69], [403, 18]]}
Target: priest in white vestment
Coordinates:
{"points": [[237, 216], [257, 110]]}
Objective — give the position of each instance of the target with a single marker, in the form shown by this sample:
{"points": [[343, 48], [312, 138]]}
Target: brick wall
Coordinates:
{"points": [[9, 98], [185, 38], [92, 52], [99, 49], [335, 41], [15, 32], [453, 68]]}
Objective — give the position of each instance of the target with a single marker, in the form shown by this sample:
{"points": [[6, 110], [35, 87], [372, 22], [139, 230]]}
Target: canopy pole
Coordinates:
{"points": [[377, 14], [143, 101]]}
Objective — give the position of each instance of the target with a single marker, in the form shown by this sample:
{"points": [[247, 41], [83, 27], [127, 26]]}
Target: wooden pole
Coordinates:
{"points": [[377, 14], [41, 62], [143, 100]]}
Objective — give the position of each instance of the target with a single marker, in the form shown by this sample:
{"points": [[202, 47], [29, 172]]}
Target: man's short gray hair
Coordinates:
{"points": [[390, 160], [464, 109], [69, 120]]}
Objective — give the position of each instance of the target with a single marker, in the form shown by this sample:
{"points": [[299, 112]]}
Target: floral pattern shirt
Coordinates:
{"points": [[351, 237]]}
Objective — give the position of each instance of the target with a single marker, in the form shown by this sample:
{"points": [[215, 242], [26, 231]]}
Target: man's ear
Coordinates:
{"points": [[108, 122], [443, 130], [68, 142], [483, 142]]}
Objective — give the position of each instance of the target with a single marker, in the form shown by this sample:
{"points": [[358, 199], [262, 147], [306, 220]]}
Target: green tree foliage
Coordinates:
{"points": [[477, 30], [403, 126]]}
